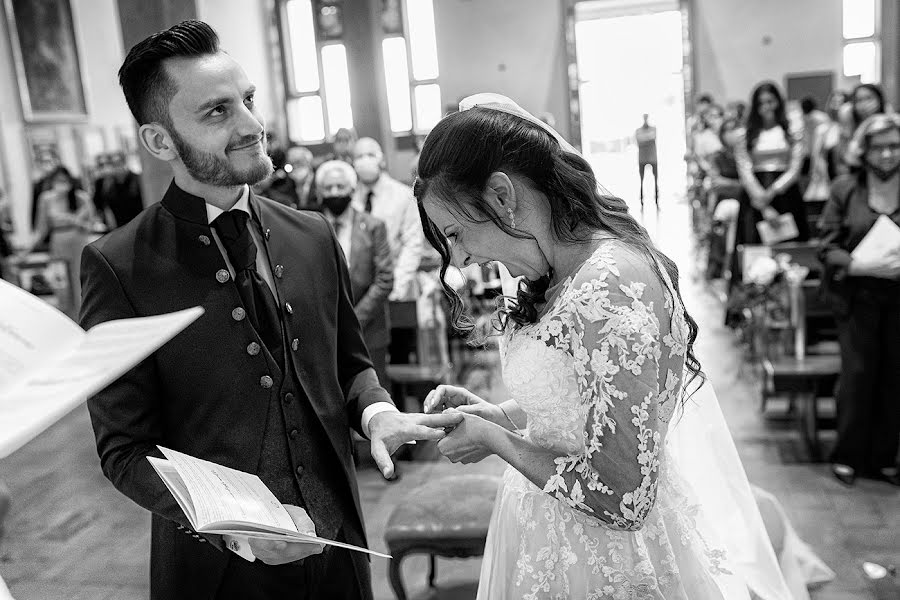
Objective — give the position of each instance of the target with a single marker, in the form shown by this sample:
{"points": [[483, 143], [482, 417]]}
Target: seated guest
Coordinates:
{"points": [[865, 296], [117, 191], [769, 161], [364, 241], [391, 201], [294, 184]]}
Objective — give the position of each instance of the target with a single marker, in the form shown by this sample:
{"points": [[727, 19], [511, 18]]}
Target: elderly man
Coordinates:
{"points": [[393, 202], [364, 241]]}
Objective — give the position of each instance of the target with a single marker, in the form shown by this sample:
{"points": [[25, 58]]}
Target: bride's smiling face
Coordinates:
{"points": [[476, 239]]}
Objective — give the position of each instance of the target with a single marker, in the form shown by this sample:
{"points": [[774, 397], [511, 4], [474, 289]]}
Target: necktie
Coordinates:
{"points": [[254, 291], [369, 197]]}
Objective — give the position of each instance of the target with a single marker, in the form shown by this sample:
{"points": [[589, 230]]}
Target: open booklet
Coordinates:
{"points": [[49, 365], [220, 500], [881, 240]]}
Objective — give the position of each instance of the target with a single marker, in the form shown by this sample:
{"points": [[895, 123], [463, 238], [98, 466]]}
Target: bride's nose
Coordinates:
{"points": [[460, 257]]}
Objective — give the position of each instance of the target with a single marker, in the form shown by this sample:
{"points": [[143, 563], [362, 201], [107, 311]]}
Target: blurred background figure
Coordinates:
{"points": [[66, 216], [341, 147], [645, 135], [117, 191], [825, 162], [364, 241], [865, 296], [769, 161], [391, 201], [866, 100], [294, 185]]}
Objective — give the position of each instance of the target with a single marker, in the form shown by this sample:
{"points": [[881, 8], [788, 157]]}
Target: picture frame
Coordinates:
{"points": [[47, 61]]}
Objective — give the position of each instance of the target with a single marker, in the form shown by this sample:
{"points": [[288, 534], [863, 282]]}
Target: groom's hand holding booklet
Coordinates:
{"points": [[220, 500]]}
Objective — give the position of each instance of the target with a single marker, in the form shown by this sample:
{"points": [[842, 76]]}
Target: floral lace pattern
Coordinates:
{"points": [[598, 376]]}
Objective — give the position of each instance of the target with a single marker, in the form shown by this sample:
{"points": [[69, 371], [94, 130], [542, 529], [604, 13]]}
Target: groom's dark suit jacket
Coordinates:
{"points": [[212, 393]]}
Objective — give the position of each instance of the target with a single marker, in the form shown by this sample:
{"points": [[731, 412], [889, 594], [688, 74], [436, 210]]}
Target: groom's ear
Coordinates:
{"points": [[500, 193]]}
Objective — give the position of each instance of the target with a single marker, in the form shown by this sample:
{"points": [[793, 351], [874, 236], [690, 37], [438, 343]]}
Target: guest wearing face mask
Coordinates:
{"points": [[295, 187], [364, 241], [865, 296], [391, 201]]}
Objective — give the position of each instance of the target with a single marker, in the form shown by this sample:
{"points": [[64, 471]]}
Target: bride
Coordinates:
{"points": [[621, 484]]}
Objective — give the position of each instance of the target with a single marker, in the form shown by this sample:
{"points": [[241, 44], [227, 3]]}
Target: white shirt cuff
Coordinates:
{"points": [[240, 545], [372, 410]]}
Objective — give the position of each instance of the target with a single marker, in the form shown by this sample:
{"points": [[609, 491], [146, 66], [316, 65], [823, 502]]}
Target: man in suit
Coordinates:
{"points": [[274, 374], [363, 238]]}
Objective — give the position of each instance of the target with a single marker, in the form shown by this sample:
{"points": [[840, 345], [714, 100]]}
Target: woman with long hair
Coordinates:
{"points": [[866, 100], [619, 483], [769, 161], [65, 215], [865, 296]]}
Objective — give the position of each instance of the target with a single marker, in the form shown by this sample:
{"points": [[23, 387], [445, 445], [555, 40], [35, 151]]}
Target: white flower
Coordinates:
{"points": [[762, 271]]}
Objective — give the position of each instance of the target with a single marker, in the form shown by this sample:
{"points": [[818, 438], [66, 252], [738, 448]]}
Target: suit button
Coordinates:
{"points": [[288, 398], [265, 382], [294, 433], [300, 470], [279, 271], [252, 348], [288, 308], [222, 276], [238, 314], [295, 343]]}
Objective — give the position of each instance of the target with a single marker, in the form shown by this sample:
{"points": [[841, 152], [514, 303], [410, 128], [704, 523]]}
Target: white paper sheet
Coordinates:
{"points": [[49, 365], [882, 240]]}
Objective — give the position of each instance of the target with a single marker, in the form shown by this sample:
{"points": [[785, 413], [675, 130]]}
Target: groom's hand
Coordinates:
{"points": [[389, 430], [273, 552]]}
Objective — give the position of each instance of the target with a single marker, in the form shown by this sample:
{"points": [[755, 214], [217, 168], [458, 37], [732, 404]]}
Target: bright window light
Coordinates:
{"points": [[861, 58], [303, 45], [396, 79], [422, 43], [428, 106], [337, 87], [859, 18], [305, 120]]}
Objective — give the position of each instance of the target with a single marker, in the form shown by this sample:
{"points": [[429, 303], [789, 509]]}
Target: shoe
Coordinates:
{"points": [[890, 475], [844, 474]]}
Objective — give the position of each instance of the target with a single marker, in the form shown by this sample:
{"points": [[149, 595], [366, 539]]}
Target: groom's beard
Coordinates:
{"points": [[211, 169]]}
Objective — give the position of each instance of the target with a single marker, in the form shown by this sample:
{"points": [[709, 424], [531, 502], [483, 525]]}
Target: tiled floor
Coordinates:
{"points": [[71, 536]]}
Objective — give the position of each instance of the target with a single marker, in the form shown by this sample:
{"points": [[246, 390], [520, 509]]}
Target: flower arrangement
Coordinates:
{"points": [[767, 298]]}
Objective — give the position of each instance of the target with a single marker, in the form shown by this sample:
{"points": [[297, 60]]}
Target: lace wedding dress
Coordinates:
{"points": [[600, 378]]}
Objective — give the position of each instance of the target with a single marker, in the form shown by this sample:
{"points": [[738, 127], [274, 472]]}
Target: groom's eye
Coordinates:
{"points": [[217, 111], [249, 100]]}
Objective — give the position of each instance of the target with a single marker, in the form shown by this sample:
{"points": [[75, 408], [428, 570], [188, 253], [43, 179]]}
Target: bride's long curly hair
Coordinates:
{"points": [[460, 154]]}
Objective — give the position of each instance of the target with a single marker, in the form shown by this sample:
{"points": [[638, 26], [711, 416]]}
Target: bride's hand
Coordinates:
{"points": [[450, 396], [468, 442]]}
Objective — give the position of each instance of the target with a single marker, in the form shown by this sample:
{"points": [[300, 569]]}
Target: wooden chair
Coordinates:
{"points": [[803, 377]]}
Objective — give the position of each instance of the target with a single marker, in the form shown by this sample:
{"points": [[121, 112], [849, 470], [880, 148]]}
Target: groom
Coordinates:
{"points": [[271, 378]]}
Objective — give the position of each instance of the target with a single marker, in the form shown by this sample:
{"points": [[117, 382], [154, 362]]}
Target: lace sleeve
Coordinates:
{"points": [[610, 323]]}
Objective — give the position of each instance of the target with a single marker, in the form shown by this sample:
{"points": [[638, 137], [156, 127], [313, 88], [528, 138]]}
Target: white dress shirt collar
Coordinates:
{"points": [[243, 204]]}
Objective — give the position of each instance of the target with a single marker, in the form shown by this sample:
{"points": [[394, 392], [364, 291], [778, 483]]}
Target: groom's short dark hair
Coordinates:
{"points": [[147, 87]]}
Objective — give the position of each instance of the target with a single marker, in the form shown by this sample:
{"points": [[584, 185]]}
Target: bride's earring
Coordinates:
{"points": [[512, 217]]}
